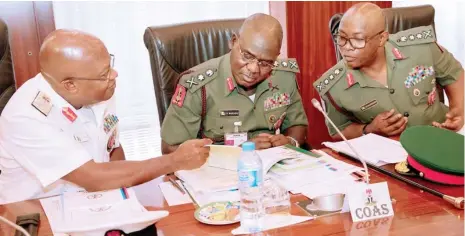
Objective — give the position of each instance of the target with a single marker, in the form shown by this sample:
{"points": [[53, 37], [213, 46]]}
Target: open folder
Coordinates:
{"points": [[220, 171], [94, 213]]}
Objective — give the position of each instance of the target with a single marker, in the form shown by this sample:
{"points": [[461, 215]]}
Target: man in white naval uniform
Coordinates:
{"points": [[61, 129]]}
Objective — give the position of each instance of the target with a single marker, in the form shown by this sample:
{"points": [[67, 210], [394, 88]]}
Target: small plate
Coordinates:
{"points": [[218, 213]]}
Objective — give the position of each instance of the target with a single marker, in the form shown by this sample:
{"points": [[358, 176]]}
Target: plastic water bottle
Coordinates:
{"points": [[250, 173]]}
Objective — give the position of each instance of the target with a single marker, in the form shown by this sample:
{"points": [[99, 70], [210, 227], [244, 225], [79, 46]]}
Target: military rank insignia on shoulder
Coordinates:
{"points": [[414, 36], [325, 82], [286, 64], [42, 103]]}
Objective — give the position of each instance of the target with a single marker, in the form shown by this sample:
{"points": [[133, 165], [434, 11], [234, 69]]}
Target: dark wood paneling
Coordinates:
{"points": [[309, 41], [28, 24]]}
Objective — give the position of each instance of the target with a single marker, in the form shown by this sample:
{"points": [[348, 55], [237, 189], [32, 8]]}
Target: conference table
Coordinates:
{"points": [[415, 213]]}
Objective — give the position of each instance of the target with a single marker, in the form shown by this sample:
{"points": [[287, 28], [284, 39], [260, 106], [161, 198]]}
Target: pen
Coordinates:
{"points": [[196, 205], [175, 184]]}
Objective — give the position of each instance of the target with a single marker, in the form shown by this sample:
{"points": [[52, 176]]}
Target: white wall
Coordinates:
{"points": [[121, 26]]}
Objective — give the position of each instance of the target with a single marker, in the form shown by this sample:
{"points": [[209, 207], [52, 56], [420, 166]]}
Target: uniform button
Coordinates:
{"points": [[406, 114], [391, 91]]}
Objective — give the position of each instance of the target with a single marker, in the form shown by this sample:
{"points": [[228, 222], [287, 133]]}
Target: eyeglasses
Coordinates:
{"points": [[249, 58], [112, 64], [356, 43]]}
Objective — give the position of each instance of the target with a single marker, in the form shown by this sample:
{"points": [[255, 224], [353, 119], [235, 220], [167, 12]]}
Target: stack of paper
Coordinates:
{"points": [[94, 213], [372, 148], [292, 168]]}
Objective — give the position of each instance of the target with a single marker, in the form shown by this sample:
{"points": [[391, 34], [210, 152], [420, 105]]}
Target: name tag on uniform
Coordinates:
{"points": [[229, 113]]}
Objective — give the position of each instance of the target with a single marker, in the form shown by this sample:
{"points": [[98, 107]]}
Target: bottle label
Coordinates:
{"points": [[251, 178]]}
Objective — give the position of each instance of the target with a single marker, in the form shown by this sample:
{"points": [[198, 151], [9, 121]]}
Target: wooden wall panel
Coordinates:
{"points": [[28, 24], [309, 41]]}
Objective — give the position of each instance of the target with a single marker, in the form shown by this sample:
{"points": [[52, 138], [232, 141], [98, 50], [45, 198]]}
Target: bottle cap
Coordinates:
{"points": [[248, 146]]}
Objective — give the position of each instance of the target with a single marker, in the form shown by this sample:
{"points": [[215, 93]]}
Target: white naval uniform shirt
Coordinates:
{"points": [[40, 146]]}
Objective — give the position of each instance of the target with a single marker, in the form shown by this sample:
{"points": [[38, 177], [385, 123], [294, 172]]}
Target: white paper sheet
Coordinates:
{"points": [[95, 213], [172, 195], [373, 148], [275, 221], [224, 157]]}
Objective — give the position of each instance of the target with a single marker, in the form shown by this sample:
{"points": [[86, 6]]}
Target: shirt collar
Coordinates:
{"points": [[392, 54], [60, 103]]}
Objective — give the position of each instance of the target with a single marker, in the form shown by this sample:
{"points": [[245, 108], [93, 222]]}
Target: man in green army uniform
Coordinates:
{"points": [[389, 82], [247, 85]]}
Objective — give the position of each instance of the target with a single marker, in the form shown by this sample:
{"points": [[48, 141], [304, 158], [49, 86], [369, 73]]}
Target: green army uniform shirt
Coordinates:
{"points": [[225, 104], [415, 64]]}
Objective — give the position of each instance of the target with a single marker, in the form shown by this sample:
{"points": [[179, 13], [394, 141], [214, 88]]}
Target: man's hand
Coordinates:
{"points": [[387, 124], [262, 141], [191, 154], [454, 120], [279, 140]]}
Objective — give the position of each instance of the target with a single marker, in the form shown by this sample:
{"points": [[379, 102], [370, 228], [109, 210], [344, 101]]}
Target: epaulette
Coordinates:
{"points": [[414, 36], [200, 75], [286, 64], [328, 79]]}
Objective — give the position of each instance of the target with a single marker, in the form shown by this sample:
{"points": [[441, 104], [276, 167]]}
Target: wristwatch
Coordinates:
{"points": [[364, 129], [293, 141]]}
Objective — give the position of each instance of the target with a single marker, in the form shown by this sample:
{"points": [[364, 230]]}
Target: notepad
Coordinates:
{"points": [[373, 148]]}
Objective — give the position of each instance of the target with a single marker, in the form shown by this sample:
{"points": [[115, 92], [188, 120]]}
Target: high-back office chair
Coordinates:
{"points": [[397, 19], [175, 49], [7, 80]]}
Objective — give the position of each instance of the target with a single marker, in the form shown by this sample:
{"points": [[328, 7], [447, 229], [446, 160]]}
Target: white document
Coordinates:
{"points": [[333, 186], [94, 213], [373, 148], [314, 171], [224, 157], [172, 194], [220, 196], [275, 221], [209, 179]]}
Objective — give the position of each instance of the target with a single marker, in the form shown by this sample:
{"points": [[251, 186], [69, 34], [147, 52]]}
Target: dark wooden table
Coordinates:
{"points": [[415, 213]]}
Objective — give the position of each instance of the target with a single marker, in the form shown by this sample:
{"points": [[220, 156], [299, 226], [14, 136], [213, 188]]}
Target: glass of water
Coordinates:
{"points": [[276, 199]]}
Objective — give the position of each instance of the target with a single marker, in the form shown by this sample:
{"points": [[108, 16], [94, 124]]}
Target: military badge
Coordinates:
{"points": [[179, 95], [230, 84], [109, 122], [111, 141], [42, 103], [418, 74], [350, 80], [277, 100], [432, 96], [69, 114], [397, 53]]}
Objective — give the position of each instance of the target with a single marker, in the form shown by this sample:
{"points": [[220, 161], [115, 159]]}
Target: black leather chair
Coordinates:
{"points": [[177, 48], [397, 19], [7, 81]]}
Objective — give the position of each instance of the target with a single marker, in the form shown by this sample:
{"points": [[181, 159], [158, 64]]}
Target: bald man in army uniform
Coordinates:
{"points": [[386, 83], [247, 85]]}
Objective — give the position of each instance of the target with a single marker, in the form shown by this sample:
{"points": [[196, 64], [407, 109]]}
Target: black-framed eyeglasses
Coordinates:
{"points": [[107, 77], [249, 58], [356, 43]]}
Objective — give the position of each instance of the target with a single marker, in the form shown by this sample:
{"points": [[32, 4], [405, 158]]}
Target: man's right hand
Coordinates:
{"points": [[262, 141], [191, 154], [387, 124]]}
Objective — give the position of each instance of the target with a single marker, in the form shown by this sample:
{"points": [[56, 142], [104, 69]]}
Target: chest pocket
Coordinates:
{"points": [[272, 116], [420, 83], [215, 127]]}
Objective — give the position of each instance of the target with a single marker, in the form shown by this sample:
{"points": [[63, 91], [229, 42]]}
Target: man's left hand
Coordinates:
{"points": [[279, 140], [454, 120]]}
